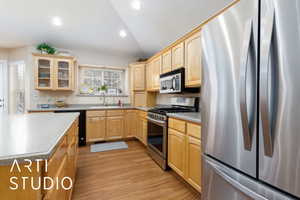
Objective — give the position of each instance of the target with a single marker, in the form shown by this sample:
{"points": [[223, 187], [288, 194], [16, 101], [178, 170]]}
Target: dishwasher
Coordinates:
{"points": [[82, 125]]}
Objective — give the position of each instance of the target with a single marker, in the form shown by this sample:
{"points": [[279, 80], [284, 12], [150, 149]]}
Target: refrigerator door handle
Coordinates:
{"points": [[243, 189], [248, 38], [264, 90]]}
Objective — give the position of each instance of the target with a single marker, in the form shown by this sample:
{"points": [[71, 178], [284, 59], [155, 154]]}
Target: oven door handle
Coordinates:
{"points": [[156, 121]]}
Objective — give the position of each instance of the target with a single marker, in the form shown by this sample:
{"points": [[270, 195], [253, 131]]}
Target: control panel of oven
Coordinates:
{"points": [[156, 116]]}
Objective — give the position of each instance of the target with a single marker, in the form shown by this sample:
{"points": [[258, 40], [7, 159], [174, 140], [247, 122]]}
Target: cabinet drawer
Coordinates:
{"points": [[194, 130], [96, 113], [143, 114], [177, 125], [114, 113]]}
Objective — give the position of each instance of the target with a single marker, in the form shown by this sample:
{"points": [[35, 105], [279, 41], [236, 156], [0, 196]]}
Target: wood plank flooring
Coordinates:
{"points": [[126, 175]]}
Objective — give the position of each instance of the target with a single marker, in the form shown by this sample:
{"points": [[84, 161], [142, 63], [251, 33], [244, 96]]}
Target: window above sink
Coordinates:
{"points": [[102, 81]]}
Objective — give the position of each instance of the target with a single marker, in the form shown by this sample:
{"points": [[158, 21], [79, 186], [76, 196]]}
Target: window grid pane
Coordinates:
{"points": [[91, 79]]}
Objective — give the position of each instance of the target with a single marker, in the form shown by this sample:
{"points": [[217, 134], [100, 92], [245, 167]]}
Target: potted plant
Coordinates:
{"points": [[46, 48], [102, 89]]}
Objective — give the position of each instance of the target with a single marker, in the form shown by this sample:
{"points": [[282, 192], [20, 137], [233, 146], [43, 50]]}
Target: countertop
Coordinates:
{"points": [[188, 116], [32, 136], [86, 107]]}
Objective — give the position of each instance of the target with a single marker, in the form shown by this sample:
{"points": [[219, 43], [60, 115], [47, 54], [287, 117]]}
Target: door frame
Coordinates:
{"points": [[6, 84]]}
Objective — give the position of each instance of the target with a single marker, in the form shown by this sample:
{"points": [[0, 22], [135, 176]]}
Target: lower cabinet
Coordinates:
{"points": [[184, 151], [144, 131], [176, 151], [116, 124], [63, 163], [130, 123], [115, 127], [142, 127], [95, 128], [59, 193], [104, 125], [193, 164]]}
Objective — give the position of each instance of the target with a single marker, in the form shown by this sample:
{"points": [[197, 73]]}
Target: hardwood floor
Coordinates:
{"points": [[126, 175]]}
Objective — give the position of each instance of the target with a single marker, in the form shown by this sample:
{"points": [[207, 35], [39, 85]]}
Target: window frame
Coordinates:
{"points": [[124, 80]]}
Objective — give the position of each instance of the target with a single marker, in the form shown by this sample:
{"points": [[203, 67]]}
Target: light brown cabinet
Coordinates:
{"points": [[155, 73], [176, 151], [184, 151], [44, 73], [149, 76], [193, 61], [54, 72], [130, 123], [142, 124], [139, 133], [144, 99], [193, 162], [115, 127], [63, 75], [178, 56], [140, 99], [144, 131], [95, 128], [104, 125], [166, 62], [139, 77]]}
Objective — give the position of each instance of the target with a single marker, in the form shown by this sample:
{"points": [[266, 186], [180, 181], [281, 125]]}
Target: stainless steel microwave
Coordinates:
{"points": [[172, 82]]}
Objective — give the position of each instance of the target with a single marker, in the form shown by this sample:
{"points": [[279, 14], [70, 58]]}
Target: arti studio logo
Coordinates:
{"points": [[34, 181]]}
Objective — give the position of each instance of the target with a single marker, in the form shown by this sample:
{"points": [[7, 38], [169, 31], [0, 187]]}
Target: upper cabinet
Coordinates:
{"points": [[155, 73], [138, 77], [178, 56], [64, 74], [184, 53], [149, 76], [166, 62], [193, 60], [54, 72], [44, 73]]}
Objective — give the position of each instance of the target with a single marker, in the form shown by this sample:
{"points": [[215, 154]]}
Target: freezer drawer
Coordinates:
{"points": [[223, 183]]}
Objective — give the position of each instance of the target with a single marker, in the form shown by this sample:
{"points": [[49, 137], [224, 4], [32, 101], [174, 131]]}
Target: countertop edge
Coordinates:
{"points": [[87, 108], [185, 118]]}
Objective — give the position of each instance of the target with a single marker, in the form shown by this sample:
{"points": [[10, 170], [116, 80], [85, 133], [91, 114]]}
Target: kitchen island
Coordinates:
{"points": [[36, 146]]}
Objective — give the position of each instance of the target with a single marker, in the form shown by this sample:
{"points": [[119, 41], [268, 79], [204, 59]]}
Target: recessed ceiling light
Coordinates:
{"points": [[56, 21], [136, 4], [123, 33]]}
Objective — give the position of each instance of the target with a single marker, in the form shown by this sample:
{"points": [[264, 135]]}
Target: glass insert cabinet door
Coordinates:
{"points": [[63, 74], [54, 73], [44, 73]]}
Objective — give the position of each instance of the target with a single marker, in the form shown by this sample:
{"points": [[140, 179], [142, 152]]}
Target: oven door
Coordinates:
{"points": [[157, 137]]}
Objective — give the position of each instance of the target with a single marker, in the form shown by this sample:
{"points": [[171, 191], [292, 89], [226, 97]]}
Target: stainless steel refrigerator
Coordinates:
{"points": [[250, 102]]}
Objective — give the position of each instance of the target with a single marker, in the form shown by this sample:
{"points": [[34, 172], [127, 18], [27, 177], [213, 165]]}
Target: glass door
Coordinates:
{"points": [[64, 74], [3, 87], [17, 87], [44, 73]]}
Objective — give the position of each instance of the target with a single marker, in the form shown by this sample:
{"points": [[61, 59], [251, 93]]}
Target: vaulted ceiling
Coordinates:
{"points": [[95, 24]]}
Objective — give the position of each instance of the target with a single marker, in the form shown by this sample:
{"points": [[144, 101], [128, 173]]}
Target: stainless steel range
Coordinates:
{"points": [[158, 126]]}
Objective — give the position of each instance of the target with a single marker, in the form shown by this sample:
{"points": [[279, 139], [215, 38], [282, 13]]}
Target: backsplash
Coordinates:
{"points": [[165, 99], [49, 97]]}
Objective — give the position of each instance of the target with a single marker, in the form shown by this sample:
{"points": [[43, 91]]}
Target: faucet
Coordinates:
{"points": [[103, 100]]}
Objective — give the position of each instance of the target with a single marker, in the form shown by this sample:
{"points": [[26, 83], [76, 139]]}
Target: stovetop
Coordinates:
{"points": [[171, 109]]}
